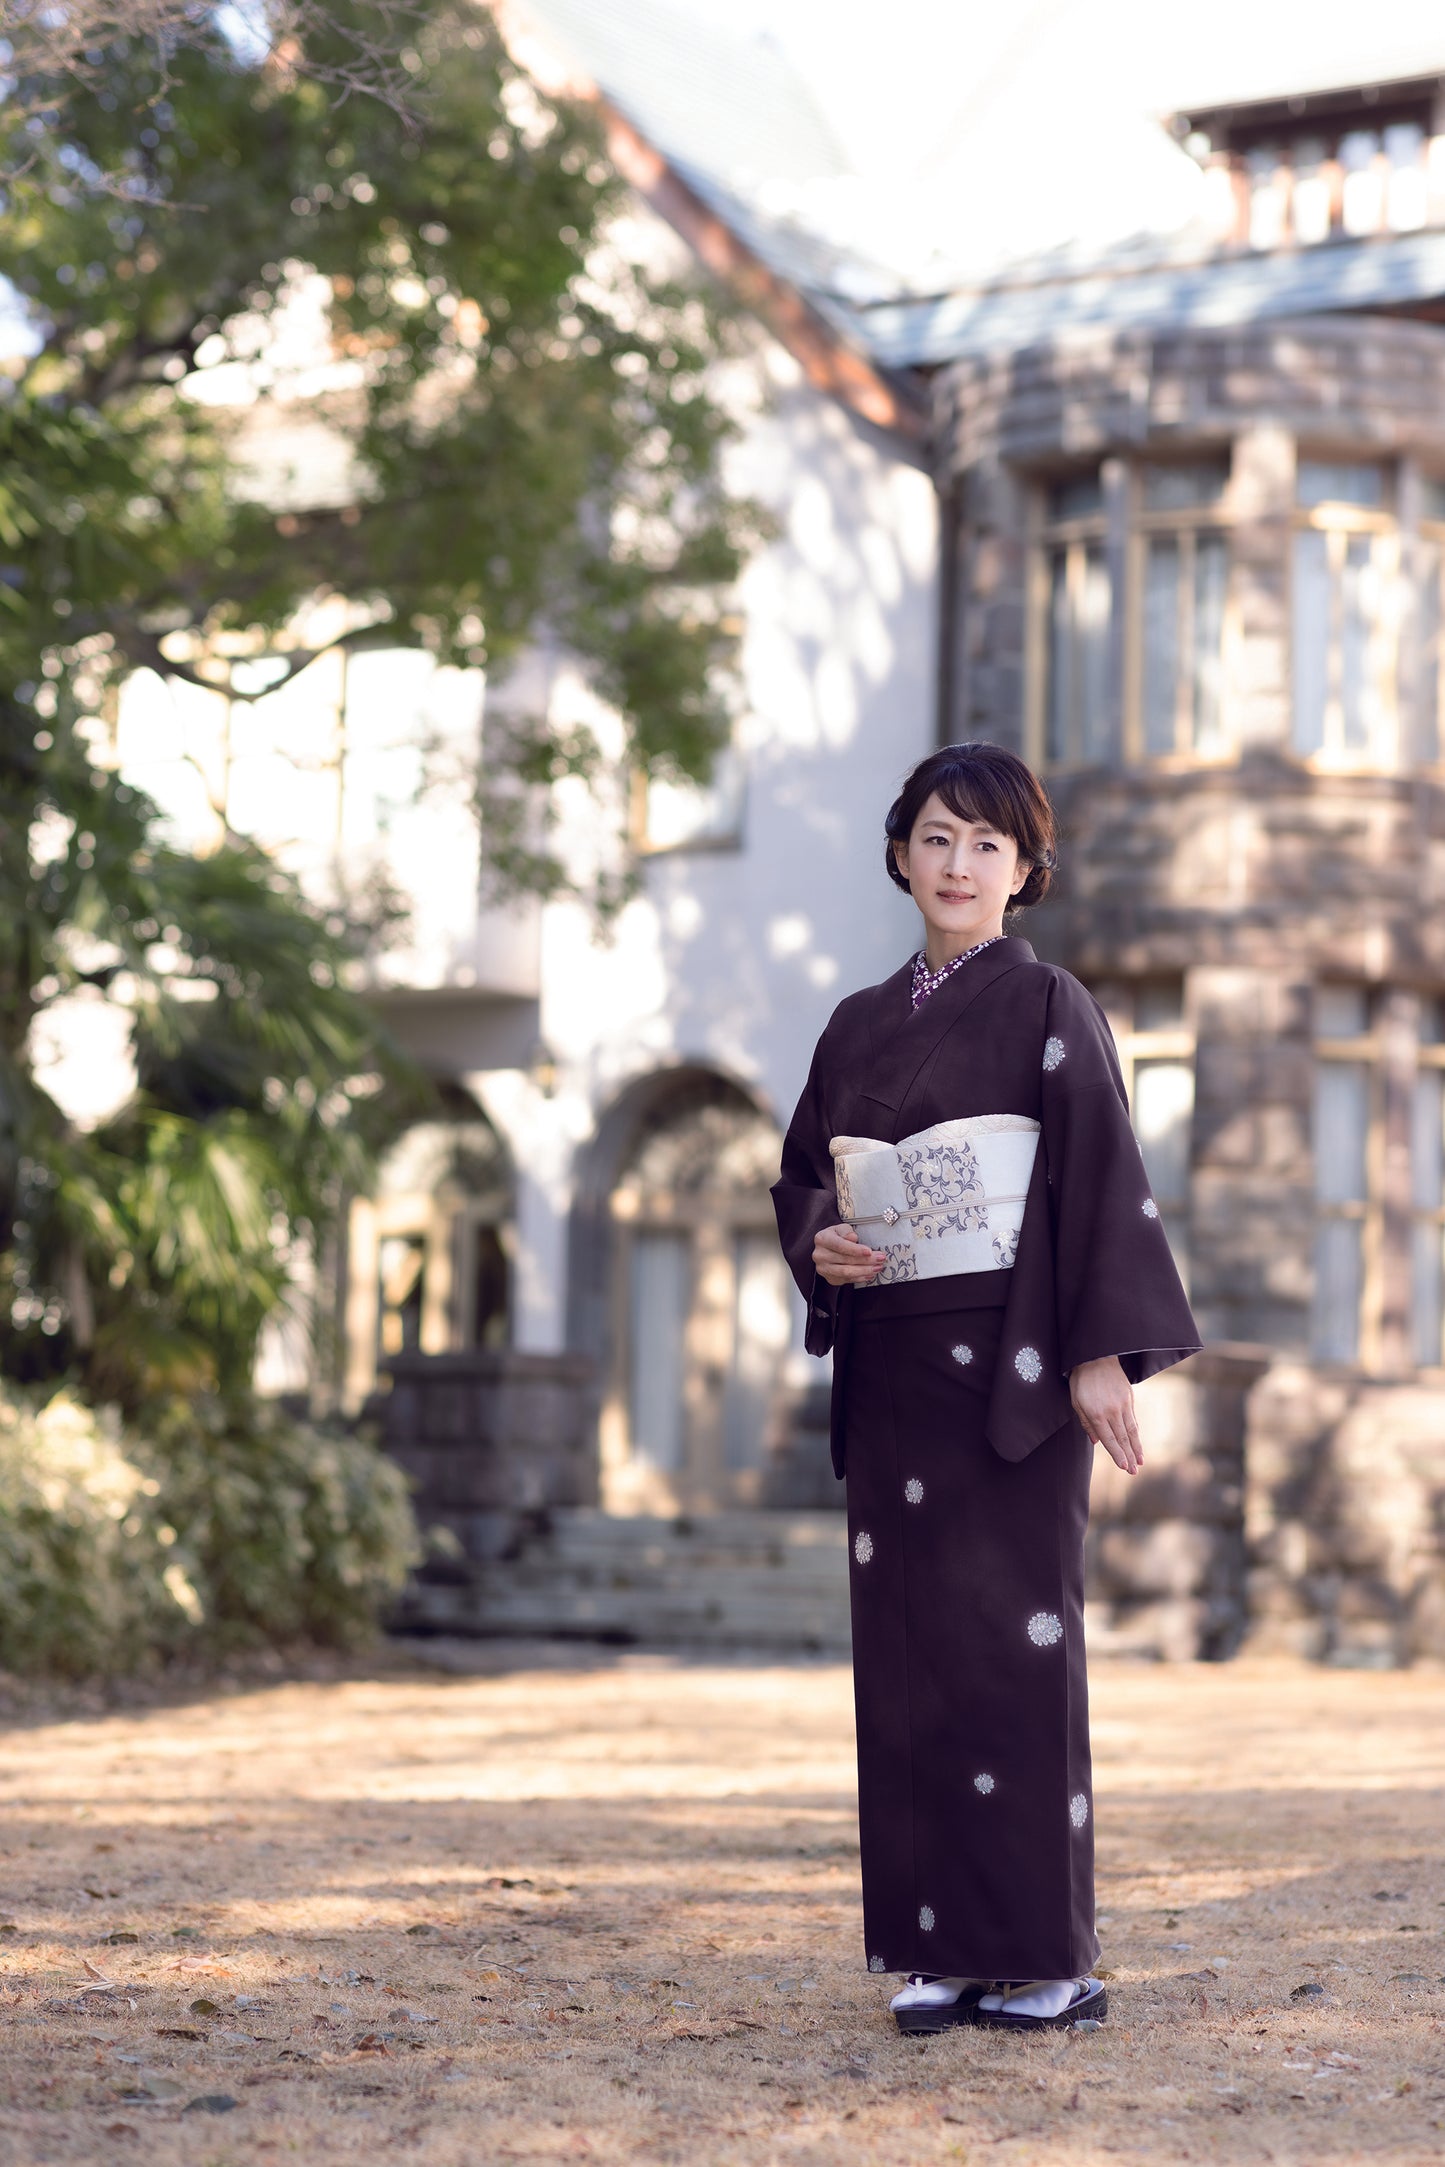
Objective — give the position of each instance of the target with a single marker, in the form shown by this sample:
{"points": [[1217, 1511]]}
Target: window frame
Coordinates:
{"points": [[1183, 525], [1365, 1050], [1340, 523], [1178, 1042], [1124, 537], [1429, 534], [1072, 538], [1429, 1054]]}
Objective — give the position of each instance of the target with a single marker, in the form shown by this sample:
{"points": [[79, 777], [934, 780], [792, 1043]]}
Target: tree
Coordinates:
{"points": [[529, 435], [530, 444]]}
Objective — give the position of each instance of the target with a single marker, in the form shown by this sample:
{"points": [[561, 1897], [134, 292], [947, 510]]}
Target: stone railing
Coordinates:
{"points": [[492, 1439]]}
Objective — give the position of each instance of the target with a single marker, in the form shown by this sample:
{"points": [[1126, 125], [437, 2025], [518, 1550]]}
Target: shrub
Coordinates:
{"points": [[212, 1532]]}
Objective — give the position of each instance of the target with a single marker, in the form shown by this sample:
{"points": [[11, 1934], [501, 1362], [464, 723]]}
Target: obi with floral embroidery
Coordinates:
{"points": [[947, 1199]]}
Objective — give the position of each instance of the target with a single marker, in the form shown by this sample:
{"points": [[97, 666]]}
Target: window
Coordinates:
{"points": [[658, 1312], [682, 815], [699, 1301], [1345, 557], [762, 1327], [1427, 1184], [1079, 605], [1183, 582], [1156, 1053], [1428, 747], [1345, 1210]]}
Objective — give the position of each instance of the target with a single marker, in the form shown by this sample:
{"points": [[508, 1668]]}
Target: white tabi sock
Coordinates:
{"points": [[1036, 1997], [924, 1993]]}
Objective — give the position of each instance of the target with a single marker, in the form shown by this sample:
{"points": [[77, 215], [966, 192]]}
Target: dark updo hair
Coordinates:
{"points": [[987, 783]]}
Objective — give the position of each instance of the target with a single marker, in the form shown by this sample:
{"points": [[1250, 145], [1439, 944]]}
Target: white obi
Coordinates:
{"points": [[950, 1199]]}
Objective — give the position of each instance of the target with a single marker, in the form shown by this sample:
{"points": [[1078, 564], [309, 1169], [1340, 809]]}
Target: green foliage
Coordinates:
{"points": [[119, 1552], [524, 412], [147, 1254]]}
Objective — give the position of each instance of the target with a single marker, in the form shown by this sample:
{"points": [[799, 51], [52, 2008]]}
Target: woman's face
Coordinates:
{"points": [[961, 874]]}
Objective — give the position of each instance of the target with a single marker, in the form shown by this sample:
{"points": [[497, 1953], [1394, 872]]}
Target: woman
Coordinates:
{"points": [[991, 1289]]}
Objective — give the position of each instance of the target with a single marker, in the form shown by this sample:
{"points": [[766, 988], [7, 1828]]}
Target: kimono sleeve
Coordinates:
{"points": [[1116, 1287], [805, 1201]]}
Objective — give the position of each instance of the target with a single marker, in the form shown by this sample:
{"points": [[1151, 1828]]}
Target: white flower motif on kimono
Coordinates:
{"points": [[913, 1490], [863, 1546], [1044, 1629], [926, 1919], [1078, 1809], [1149, 1208], [1029, 1364], [1053, 1054], [962, 1354], [984, 1784], [876, 1963]]}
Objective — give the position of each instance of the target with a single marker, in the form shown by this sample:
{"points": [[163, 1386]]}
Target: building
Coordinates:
{"points": [[1167, 515]]}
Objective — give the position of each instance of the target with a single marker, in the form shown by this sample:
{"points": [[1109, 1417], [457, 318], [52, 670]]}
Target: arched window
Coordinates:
{"points": [[428, 1263], [700, 1315]]}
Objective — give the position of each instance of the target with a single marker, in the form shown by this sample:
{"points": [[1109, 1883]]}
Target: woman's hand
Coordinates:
{"points": [[844, 1261], [1104, 1402]]}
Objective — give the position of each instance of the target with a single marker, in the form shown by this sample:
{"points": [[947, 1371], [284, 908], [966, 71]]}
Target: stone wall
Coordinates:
{"points": [[492, 1441], [1253, 881]]}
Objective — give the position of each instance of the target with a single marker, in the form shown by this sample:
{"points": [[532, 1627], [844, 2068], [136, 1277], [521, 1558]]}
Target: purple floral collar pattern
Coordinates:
{"points": [[926, 981]]}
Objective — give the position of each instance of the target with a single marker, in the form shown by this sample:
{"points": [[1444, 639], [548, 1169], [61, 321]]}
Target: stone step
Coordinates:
{"points": [[766, 1580]]}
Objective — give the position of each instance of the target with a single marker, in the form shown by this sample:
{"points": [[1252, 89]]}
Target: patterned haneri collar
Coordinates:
{"points": [[926, 981]]}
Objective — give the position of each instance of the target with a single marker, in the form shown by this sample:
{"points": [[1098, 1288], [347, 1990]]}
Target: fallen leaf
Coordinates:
{"points": [[122, 1934], [211, 2103], [201, 2007], [1309, 1991], [151, 2084], [119, 2129], [371, 2043], [179, 2031]]}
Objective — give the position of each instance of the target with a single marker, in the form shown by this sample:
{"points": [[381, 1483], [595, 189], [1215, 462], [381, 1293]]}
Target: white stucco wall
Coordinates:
{"points": [[735, 957]]}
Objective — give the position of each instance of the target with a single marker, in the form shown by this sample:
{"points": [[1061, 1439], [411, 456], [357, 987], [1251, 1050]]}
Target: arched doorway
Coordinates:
{"points": [[429, 1253], [689, 1302]]}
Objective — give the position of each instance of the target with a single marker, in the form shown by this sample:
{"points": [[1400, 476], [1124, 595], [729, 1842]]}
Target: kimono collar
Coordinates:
{"points": [[903, 1037]]}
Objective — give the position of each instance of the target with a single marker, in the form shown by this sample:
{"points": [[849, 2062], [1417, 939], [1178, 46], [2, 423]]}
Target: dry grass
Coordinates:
{"points": [[607, 1911]]}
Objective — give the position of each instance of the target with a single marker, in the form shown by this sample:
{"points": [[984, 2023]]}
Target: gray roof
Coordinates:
{"points": [[1011, 315]]}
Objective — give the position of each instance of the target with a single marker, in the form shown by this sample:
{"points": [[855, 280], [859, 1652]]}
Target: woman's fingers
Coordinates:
{"points": [[1120, 1447], [1113, 1426], [843, 1259]]}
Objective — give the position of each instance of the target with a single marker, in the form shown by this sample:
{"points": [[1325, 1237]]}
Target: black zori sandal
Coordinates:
{"points": [[929, 2018], [1090, 2001]]}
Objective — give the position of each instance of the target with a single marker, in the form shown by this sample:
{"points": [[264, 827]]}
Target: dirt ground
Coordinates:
{"points": [[605, 1908]]}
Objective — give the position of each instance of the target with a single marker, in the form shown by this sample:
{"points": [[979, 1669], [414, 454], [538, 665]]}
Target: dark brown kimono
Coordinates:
{"points": [[968, 1474]]}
